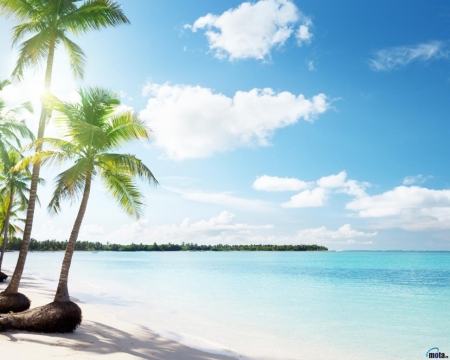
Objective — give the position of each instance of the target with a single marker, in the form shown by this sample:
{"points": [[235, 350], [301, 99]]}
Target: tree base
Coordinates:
{"points": [[56, 317], [3, 277], [15, 303]]}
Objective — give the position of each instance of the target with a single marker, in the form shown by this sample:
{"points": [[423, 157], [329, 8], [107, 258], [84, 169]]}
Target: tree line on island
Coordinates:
{"points": [[53, 245]]}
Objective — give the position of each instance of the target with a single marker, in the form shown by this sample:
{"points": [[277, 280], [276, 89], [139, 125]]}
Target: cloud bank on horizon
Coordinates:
{"points": [[412, 208], [222, 229]]}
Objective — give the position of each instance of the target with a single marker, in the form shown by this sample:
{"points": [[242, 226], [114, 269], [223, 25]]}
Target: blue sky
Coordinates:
{"points": [[274, 121]]}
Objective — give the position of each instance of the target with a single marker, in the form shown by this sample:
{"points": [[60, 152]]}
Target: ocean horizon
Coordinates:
{"points": [[270, 305]]}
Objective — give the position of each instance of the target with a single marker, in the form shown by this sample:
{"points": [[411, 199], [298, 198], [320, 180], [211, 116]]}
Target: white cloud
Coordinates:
{"points": [[194, 122], [323, 235], [308, 198], [219, 229], [252, 30], [274, 183], [87, 231], [395, 57], [303, 34], [49, 230], [314, 194], [223, 229], [333, 181], [222, 198], [311, 66], [418, 179], [410, 208]]}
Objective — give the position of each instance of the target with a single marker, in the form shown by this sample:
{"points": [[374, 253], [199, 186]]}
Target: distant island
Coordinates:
{"points": [[53, 245]]}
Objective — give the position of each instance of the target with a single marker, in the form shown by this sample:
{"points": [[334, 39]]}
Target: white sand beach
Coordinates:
{"points": [[100, 336]]}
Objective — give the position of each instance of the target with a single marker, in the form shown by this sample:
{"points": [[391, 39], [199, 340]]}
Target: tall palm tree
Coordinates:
{"points": [[49, 22], [94, 130]]}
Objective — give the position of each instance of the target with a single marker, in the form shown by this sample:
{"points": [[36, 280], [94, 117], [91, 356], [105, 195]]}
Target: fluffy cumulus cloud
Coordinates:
{"points": [[308, 198], [252, 30], [314, 193], [195, 122], [303, 34], [396, 57], [408, 207]]}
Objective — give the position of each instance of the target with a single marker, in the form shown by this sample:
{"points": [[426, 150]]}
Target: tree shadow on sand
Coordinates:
{"points": [[97, 338], [93, 338]]}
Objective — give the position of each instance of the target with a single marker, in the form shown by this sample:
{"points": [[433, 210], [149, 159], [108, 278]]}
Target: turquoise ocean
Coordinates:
{"points": [[270, 305]]}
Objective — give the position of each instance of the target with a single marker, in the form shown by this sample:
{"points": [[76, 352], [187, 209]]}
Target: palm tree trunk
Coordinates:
{"points": [[6, 225], [62, 293], [13, 286]]}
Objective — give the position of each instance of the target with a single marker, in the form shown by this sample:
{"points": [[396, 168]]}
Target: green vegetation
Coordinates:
{"points": [[13, 186], [93, 131], [53, 245], [46, 24]]}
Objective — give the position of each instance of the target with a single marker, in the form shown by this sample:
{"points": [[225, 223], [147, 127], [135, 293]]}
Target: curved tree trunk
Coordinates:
{"points": [[6, 225], [62, 293], [13, 286]]}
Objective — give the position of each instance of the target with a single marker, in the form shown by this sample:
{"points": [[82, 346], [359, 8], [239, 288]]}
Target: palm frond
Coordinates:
{"points": [[69, 185], [122, 189], [94, 15], [32, 52], [125, 127], [126, 164], [4, 83], [21, 30], [77, 58], [44, 157], [20, 9]]}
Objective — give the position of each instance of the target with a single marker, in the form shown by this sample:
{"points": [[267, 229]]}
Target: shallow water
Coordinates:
{"points": [[271, 305]]}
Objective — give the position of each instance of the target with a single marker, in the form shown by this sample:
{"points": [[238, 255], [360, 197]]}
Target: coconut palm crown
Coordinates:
{"points": [[93, 130], [50, 21]]}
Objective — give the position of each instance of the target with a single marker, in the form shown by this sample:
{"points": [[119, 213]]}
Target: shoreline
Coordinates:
{"points": [[100, 334]]}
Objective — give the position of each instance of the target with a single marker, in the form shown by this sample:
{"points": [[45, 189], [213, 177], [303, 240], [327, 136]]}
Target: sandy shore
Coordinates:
{"points": [[100, 336]]}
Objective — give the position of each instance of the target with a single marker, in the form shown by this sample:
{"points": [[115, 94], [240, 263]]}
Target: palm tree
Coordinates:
{"points": [[12, 229], [49, 22], [13, 192], [94, 130], [11, 129]]}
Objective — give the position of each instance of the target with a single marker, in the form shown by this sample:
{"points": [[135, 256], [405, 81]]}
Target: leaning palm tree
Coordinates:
{"points": [[13, 227], [14, 192], [93, 130], [11, 131], [48, 22]]}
